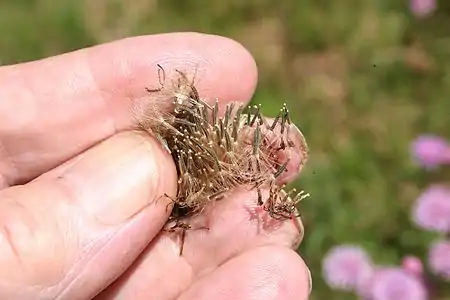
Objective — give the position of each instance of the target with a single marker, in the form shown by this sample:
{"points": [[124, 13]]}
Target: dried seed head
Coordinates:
{"points": [[215, 154]]}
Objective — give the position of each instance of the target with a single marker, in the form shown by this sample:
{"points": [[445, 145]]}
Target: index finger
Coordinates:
{"points": [[55, 108]]}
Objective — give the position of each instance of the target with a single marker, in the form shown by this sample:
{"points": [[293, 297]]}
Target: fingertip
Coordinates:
{"points": [[267, 272], [231, 69], [239, 70], [289, 270], [119, 177], [298, 276], [224, 68]]}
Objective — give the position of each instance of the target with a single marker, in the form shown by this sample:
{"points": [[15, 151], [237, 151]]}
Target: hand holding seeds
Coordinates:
{"points": [[100, 178]]}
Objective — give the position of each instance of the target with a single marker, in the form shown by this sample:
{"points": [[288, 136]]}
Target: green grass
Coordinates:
{"points": [[362, 78]]}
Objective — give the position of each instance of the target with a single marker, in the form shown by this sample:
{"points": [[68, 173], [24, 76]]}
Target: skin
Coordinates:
{"points": [[78, 216]]}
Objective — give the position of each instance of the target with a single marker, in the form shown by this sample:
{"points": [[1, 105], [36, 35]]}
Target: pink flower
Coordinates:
{"points": [[395, 284], [413, 265], [430, 151], [439, 259], [432, 209], [422, 8], [346, 267]]}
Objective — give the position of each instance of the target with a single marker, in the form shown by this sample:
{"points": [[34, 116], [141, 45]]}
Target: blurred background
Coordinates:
{"points": [[362, 79]]}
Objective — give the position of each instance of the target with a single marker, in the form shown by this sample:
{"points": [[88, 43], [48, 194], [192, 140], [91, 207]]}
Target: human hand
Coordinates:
{"points": [[78, 218]]}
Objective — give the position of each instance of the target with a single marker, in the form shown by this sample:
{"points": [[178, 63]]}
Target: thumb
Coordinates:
{"points": [[72, 231]]}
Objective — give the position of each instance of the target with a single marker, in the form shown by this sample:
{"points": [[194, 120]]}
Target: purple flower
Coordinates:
{"points": [[413, 265], [432, 209], [439, 259], [430, 151], [422, 8], [395, 284], [346, 267]]}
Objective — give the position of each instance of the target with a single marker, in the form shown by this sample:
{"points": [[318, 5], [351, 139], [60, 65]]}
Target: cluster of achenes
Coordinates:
{"points": [[349, 268], [215, 152]]}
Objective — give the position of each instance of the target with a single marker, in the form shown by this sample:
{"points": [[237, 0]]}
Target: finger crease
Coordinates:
{"points": [[8, 237], [109, 114], [10, 167]]}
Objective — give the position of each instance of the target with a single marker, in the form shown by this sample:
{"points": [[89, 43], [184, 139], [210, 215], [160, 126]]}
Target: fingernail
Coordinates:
{"points": [[298, 223], [300, 144], [298, 155], [309, 280], [118, 178]]}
